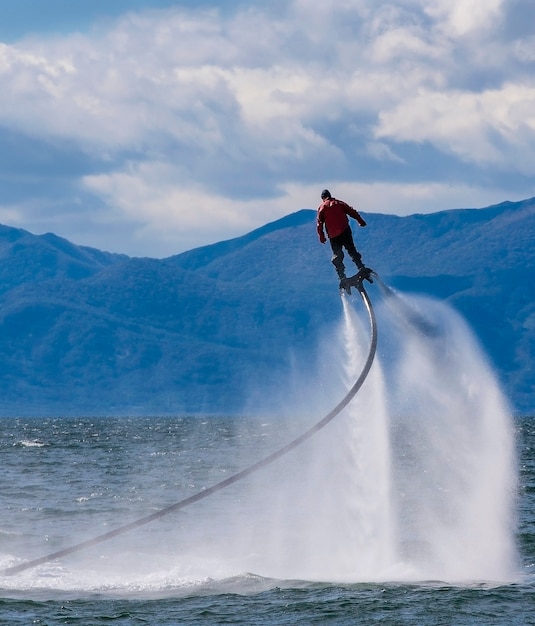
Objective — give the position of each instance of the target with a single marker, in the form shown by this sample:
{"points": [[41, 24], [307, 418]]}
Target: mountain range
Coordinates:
{"points": [[87, 332]]}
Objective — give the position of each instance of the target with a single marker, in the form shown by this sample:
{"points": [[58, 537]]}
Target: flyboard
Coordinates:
{"points": [[355, 282], [364, 273]]}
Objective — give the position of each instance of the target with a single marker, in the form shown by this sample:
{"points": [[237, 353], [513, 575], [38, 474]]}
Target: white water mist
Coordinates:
{"points": [[416, 479], [453, 461]]}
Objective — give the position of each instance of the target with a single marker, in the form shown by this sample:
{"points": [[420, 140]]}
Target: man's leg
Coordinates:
{"points": [[338, 256], [347, 241]]}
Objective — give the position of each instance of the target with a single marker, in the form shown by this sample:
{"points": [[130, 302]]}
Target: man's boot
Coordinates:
{"points": [[342, 277], [357, 260]]}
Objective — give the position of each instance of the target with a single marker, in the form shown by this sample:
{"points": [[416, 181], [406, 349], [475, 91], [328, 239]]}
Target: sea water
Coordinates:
{"points": [[415, 505]]}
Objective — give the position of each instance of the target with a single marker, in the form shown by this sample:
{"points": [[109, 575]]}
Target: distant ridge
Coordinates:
{"points": [[89, 332], [199, 257]]}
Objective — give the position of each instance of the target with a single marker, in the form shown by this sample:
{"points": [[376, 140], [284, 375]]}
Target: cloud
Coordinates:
{"points": [[459, 18], [184, 218], [191, 125], [494, 127]]}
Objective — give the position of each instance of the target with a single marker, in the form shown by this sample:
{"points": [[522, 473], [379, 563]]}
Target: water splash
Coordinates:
{"points": [[454, 469], [416, 480], [325, 511]]}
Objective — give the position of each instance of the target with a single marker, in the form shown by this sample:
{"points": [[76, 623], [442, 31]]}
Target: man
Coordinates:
{"points": [[332, 214]]}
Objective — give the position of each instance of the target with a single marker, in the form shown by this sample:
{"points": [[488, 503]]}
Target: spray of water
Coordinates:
{"points": [[452, 447], [416, 480], [324, 512]]}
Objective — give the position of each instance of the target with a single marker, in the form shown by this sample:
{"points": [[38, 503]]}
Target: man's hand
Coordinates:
{"points": [[322, 239]]}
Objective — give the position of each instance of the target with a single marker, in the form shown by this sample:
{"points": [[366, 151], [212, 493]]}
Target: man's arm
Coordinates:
{"points": [[356, 215], [319, 227]]}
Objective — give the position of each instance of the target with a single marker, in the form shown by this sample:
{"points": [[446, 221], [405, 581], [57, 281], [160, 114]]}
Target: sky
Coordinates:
{"points": [[151, 127]]}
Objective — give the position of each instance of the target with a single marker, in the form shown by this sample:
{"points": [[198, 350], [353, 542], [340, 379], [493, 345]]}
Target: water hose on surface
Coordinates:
{"points": [[15, 569]]}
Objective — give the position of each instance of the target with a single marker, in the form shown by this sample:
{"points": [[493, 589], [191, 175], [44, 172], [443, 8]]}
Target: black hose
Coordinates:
{"points": [[232, 479]]}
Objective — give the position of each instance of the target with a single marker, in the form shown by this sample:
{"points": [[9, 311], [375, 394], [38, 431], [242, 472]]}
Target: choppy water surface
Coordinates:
{"points": [[66, 480]]}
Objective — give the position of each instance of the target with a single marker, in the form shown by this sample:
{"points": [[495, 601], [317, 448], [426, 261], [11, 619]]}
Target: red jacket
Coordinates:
{"points": [[333, 213]]}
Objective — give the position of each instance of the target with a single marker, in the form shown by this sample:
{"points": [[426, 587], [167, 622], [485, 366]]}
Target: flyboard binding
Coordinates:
{"points": [[365, 273]]}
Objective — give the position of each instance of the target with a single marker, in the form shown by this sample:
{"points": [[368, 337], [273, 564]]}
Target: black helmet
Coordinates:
{"points": [[325, 194]]}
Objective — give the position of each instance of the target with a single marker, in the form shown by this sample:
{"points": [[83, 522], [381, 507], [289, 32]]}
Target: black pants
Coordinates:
{"points": [[338, 243]]}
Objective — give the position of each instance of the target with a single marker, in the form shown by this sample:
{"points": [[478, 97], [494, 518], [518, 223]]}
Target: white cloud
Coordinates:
{"points": [[171, 218], [464, 17], [403, 198], [470, 124], [382, 152], [175, 217], [238, 113]]}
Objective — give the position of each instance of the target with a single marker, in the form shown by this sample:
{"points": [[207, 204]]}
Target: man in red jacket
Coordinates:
{"points": [[332, 214]]}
